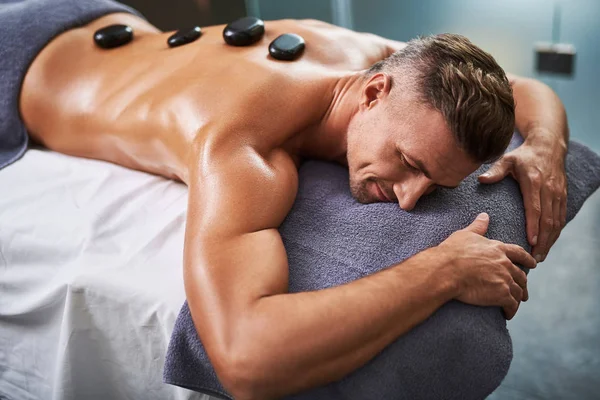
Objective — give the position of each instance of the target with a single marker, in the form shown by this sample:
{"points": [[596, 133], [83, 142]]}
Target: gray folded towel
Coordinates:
{"points": [[27, 26], [461, 351]]}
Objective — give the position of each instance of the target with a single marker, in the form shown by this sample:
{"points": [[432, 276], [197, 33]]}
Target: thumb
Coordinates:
{"points": [[497, 172], [480, 225]]}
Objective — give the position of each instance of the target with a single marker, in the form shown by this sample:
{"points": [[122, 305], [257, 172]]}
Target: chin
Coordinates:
{"points": [[361, 199]]}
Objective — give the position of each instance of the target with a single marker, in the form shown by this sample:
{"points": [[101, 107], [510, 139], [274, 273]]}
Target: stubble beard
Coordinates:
{"points": [[360, 192]]}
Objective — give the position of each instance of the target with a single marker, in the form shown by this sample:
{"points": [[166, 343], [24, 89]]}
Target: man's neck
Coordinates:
{"points": [[328, 140]]}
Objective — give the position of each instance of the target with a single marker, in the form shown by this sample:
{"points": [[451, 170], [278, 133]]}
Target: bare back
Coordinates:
{"points": [[144, 105], [220, 119]]}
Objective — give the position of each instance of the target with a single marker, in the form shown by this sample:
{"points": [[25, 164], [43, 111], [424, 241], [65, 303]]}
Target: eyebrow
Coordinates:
{"points": [[427, 174]]}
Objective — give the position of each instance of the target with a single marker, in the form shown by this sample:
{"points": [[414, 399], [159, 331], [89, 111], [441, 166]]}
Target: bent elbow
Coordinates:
{"points": [[243, 360], [241, 374]]}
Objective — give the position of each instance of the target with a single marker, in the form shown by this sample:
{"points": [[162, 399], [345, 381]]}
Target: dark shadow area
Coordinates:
{"points": [[170, 15]]}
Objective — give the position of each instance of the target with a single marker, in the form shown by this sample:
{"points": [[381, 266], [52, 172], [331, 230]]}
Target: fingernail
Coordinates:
{"points": [[538, 257], [482, 216], [534, 240], [486, 174]]}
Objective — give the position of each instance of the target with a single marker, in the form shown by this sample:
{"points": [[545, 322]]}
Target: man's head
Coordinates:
{"points": [[429, 115]]}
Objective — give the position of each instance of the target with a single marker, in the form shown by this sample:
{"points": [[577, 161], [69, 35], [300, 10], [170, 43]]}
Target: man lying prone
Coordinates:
{"points": [[234, 124]]}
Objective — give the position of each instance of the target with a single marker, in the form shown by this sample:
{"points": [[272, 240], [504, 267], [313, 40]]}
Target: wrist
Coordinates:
{"points": [[543, 139], [446, 276]]}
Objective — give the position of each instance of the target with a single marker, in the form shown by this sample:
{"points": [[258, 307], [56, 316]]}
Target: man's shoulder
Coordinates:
{"points": [[239, 173], [338, 47], [218, 144]]}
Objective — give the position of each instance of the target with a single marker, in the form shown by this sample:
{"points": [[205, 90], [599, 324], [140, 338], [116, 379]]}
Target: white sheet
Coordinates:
{"points": [[90, 279]]}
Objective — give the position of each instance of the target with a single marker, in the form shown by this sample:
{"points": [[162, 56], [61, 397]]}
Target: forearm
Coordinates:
{"points": [[298, 341], [540, 115]]}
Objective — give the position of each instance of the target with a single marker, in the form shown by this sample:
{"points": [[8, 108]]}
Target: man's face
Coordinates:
{"points": [[399, 152]]}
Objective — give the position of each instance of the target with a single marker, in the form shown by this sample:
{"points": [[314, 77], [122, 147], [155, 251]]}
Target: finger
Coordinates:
{"points": [[556, 205], [530, 187], [546, 225], [497, 172], [518, 255], [563, 211], [562, 220], [516, 291], [520, 279], [510, 308], [562, 217], [480, 224]]}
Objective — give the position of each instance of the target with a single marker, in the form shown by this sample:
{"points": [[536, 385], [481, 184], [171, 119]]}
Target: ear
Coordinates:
{"points": [[375, 89]]}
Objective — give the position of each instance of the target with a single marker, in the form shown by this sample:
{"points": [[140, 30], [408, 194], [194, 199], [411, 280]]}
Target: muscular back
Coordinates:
{"points": [[143, 105], [219, 118]]}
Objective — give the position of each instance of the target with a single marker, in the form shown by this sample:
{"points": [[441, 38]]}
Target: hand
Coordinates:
{"points": [[485, 269], [540, 171]]}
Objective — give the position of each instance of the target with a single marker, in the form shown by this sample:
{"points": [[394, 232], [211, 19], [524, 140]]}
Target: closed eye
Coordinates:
{"points": [[406, 163]]}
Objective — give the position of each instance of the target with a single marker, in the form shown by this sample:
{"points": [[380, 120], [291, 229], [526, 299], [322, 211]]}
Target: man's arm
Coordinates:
{"points": [[264, 342], [538, 165], [540, 115]]}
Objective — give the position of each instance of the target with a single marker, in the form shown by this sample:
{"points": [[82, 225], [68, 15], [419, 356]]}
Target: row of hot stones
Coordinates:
{"points": [[243, 32]]}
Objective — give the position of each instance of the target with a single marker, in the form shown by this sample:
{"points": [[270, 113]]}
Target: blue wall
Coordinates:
{"points": [[506, 29], [298, 9], [580, 26]]}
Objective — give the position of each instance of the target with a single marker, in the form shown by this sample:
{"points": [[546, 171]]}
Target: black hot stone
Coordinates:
{"points": [[287, 47], [184, 36], [113, 36], [244, 32]]}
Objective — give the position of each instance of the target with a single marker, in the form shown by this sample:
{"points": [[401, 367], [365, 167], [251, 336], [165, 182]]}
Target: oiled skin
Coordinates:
{"points": [[230, 123], [233, 124], [144, 105]]}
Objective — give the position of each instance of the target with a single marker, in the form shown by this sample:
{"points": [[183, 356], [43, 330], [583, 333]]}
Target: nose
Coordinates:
{"points": [[410, 191]]}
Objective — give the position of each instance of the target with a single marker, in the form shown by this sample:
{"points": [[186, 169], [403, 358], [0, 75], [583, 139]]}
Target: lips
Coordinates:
{"points": [[381, 194]]}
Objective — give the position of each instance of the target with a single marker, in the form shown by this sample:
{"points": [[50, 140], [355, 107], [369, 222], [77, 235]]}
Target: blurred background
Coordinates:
{"points": [[556, 334]]}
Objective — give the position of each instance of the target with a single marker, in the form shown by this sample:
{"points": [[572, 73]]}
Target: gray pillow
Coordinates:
{"points": [[461, 351]]}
